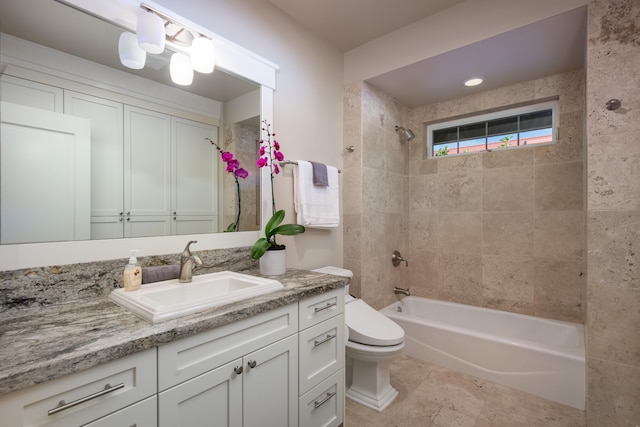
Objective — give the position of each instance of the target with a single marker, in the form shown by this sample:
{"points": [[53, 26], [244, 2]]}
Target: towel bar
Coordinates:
{"points": [[291, 162]]}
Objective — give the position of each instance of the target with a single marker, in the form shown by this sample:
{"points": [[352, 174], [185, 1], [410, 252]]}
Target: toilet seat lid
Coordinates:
{"points": [[368, 326]]}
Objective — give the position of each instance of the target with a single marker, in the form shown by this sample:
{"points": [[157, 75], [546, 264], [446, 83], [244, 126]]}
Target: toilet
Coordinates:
{"points": [[373, 341]]}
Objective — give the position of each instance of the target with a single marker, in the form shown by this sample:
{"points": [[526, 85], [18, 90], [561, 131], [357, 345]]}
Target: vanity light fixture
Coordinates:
{"points": [[473, 81], [155, 30]]}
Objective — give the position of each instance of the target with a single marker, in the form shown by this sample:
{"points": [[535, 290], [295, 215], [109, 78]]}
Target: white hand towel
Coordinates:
{"points": [[316, 207]]}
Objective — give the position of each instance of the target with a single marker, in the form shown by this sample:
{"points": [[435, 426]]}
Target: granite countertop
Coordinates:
{"points": [[69, 337]]}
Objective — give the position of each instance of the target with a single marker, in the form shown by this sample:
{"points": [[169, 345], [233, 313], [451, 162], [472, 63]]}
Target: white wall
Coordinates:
{"points": [[307, 100]]}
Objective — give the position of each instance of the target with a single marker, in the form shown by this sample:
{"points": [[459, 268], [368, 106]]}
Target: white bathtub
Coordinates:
{"points": [[538, 356]]}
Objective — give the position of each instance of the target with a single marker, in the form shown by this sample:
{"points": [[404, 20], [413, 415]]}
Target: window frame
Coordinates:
{"points": [[552, 105]]}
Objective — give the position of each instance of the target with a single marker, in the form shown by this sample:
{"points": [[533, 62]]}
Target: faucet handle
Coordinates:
{"points": [[396, 259]]}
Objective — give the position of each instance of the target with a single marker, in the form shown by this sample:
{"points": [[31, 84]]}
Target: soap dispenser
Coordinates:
{"points": [[132, 273]]}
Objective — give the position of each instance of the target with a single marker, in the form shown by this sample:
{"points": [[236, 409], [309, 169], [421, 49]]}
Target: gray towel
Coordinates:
{"points": [[160, 273], [320, 178]]}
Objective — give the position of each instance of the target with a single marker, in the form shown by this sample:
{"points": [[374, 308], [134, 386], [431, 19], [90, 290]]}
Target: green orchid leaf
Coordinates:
{"points": [[275, 220], [260, 247], [288, 230]]}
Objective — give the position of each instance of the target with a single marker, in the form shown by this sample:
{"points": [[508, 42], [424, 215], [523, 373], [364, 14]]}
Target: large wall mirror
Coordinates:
{"points": [[134, 167]]}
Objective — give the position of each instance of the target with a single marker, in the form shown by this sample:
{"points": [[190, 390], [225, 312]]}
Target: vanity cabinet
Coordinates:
{"points": [[279, 368], [242, 374], [122, 390], [321, 350]]}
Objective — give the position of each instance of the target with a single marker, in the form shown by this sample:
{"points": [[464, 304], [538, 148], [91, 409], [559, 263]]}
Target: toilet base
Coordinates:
{"points": [[368, 382], [379, 404]]}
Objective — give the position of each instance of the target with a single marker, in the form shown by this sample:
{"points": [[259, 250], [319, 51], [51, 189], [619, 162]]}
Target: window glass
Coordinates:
{"points": [[516, 127]]}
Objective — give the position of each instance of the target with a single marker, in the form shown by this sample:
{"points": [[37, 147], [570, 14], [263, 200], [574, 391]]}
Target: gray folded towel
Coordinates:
{"points": [[160, 273], [320, 178]]}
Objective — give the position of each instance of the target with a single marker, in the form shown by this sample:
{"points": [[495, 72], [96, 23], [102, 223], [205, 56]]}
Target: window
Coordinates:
{"points": [[516, 127]]}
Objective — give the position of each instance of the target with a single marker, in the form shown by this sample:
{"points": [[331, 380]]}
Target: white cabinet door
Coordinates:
{"points": [[31, 94], [44, 176], [107, 169], [213, 399], [270, 385], [196, 166], [147, 162], [106, 149]]}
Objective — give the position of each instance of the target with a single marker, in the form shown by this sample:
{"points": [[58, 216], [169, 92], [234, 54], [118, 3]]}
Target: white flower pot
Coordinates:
{"points": [[274, 262]]}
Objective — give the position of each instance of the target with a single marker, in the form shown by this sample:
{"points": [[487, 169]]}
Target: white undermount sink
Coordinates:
{"points": [[160, 301]]}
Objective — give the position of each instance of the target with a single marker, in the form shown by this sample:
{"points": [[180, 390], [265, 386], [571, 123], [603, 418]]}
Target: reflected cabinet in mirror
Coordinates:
{"points": [[92, 150]]}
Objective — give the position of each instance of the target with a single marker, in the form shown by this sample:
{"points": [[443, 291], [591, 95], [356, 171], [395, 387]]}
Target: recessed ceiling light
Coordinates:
{"points": [[473, 81]]}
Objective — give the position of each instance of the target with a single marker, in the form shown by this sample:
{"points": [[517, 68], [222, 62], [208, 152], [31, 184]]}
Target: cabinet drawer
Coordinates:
{"points": [[86, 394], [141, 414], [324, 404], [189, 357], [321, 349], [321, 307]]}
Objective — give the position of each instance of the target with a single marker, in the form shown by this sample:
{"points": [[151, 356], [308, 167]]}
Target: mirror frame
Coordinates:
{"points": [[229, 57]]}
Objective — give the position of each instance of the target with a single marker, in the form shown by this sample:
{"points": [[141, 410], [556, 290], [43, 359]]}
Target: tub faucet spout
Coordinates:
{"points": [[402, 291], [188, 262]]}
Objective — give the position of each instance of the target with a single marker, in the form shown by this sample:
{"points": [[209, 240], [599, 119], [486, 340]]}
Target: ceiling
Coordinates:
{"points": [[546, 47]]}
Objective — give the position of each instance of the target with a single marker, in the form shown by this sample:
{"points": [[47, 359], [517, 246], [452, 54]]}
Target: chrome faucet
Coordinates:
{"points": [[402, 291], [187, 263]]}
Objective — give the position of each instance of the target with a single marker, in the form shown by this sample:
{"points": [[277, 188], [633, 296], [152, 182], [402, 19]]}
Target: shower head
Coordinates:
{"points": [[406, 132]]}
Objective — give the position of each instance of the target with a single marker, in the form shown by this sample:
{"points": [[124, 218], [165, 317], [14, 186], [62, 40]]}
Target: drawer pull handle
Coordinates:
{"points": [[323, 401], [238, 370], [329, 305], [252, 363], [328, 338], [62, 405]]}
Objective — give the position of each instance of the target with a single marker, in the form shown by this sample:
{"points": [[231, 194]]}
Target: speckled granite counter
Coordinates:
{"points": [[68, 337]]}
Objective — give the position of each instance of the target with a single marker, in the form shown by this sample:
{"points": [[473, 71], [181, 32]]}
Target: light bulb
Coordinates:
{"points": [[150, 30], [203, 55], [180, 69], [131, 55]]}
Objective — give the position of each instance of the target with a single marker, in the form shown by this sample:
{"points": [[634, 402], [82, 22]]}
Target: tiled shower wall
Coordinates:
{"points": [[613, 223], [375, 192], [503, 230]]}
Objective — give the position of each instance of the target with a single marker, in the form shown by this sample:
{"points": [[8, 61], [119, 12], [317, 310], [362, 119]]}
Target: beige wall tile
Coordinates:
{"points": [[352, 191], [424, 274], [508, 189], [614, 248], [613, 390], [559, 234], [507, 233], [559, 283], [372, 234], [351, 230], [396, 190], [373, 146], [612, 324], [460, 232], [352, 103], [352, 136], [423, 231], [373, 190], [459, 163], [507, 278], [559, 186], [507, 158], [423, 193], [614, 175], [460, 191], [461, 278]]}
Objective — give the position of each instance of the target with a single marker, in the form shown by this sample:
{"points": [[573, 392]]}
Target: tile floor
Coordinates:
{"points": [[432, 396]]}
